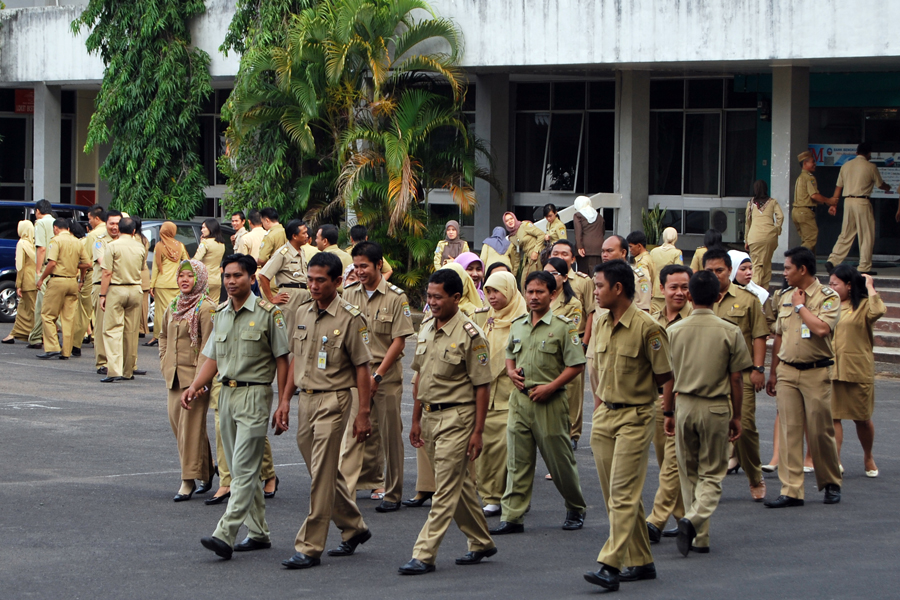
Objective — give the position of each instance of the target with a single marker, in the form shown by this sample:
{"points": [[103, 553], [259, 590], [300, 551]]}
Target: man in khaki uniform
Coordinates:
{"points": [[326, 241], [275, 237], [66, 259], [668, 500], [632, 358], [43, 232], [856, 181], [238, 223], [358, 235], [742, 308], [704, 420], [801, 379], [287, 270], [390, 320], [616, 248], [84, 314], [120, 297], [331, 355], [251, 241], [453, 370], [806, 195], [637, 246], [247, 347], [543, 355], [98, 251]]}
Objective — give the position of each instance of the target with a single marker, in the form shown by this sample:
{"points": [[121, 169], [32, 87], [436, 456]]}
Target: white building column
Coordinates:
{"points": [[632, 168], [492, 118], [790, 137], [47, 141]]}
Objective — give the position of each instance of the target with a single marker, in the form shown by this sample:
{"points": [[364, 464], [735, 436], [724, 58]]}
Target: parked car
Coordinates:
{"points": [[11, 212]]}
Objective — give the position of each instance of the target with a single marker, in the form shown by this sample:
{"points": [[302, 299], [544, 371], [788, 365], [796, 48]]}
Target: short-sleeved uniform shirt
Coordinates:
{"points": [[250, 242], [724, 352], [287, 265], [95, 242], [451, 361], [642, 288], [798, 344], [742, 308], [858, 177], [627, 356], [68, 252], [387, 313], [804, 190], [125, 258], [643, 261], [583, 286], [683, 314], [346, 259], [572, 310], [274, 239], [545, 349], [245, 342], [43, 232], [341, 333]]}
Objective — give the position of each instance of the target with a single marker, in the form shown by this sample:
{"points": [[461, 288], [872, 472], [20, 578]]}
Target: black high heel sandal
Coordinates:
{"points": [[418, 502]]}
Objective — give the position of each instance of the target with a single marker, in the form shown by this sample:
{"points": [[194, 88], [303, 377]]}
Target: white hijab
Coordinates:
{"points": [[737, 258], [583, 204]]}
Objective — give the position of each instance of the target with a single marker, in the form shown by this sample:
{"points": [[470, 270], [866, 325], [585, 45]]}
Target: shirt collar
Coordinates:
{"points": [[249, 305], [450, 326], [703, 311], [628, 316], [331, 309], [814, 286]]}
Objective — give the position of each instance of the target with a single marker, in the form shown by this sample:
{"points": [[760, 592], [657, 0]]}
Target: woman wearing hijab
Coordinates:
{"points": [[762, 227], [589, 232], [450, 247], [25, 283], [184, 328], [475, 268], [662, 256], [167, 258], [210, 252], [527, 241], [507, 304], [496, 248], [742, 270]]}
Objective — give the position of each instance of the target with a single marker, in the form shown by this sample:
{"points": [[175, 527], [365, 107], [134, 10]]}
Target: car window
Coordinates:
{"points": [[9, 222], [187, 236]]}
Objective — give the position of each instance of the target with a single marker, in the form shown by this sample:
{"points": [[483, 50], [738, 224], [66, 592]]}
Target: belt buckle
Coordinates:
{"points": [[232, 383], [426, 408], [310, 392]]}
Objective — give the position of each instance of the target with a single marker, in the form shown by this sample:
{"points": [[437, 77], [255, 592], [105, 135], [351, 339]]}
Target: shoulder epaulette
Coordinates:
{"points": [[307, 301], [483, 309], [470, 329], [221, 306], [266, 305], [284, 251], [637, 270], [354, 284], [828, 291], [563, 319], [351, 309], [583, 275], [520, 318], [395, 289]]}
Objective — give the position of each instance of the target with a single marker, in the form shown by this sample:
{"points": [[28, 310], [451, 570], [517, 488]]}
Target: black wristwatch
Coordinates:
{"points": [[761, 369], [668, 413], [377, 377]]}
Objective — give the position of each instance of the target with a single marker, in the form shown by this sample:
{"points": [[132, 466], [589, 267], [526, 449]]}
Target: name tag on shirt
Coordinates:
{"points": [[323, 360], [804, 331]]}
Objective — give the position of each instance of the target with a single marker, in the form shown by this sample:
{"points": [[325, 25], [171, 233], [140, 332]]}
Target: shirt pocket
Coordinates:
{"points": [[384, 323], [547, 355], [627, 358], [736, 315], [448, 365], [251, 342], [334, 348], [298, 342], [221, 339]]}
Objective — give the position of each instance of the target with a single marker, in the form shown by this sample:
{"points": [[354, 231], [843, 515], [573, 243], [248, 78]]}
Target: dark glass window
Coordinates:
{"points": [[609, 219], [528, 213], [883, 129], [601, 152], [8, 192], [7, 102], [740, 153], [469, 99], [672, 218], [666, 138], [533, 96], [67, 102], [602, 95], [568, 95], [704, 93], [835, 125], [562, 152], [696, 221], [12, 166], [531, 141], [701, 158], [735, 99], [9, 220], [667, 93], [65, 151]]}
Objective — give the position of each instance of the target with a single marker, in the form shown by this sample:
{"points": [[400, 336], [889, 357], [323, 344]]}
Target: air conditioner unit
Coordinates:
{"points": [[729, 222]]}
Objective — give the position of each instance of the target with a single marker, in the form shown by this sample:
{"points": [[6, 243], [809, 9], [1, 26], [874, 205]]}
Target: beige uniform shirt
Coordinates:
{"points": [[451, 361], [804, 189], [662, 257], [68, 252], [628, 355], [642, 285], [858, 177], [763, 225], [583, 286], [387, 313], [571, 310], [742, 308], [124, 258], [798, 344], [328, 345], [286, 266], [43, 233], [854, 340], [697, 261], [346, 259], [643, 261], [723, 352], [166, 276], [556, 231], [274, 239], [211, 252], [180, 362], [250, 242], [683, 314], [97, 238]]}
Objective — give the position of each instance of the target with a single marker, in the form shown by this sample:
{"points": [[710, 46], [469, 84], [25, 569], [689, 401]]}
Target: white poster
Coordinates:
{"points": [[888, 163]]}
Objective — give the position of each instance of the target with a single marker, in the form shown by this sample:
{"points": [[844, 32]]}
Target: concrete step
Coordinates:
{"points": [[888, 325], [887, 340], [887, 355]]}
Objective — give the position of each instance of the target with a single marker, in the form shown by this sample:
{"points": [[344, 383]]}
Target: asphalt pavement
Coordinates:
{"points": [[88, 471]]}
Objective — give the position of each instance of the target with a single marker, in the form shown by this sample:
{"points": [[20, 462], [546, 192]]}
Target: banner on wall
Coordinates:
{"points": [[836, 155]]}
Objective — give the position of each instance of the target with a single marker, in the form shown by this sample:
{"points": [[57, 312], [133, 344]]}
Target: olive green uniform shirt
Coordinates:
{"points": [[545, 349], [798, 344], [68, 252]]}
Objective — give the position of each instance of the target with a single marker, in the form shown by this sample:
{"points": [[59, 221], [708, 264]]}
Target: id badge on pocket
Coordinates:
{"points": [[804, 331], [323, 360]]}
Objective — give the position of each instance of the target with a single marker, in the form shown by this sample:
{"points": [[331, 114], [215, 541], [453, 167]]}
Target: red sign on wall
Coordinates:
{"points": [[25, 101]]}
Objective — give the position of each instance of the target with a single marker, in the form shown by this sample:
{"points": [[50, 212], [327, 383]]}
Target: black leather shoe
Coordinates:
{"points": [[494, 512], [218, 546], [61, 357], [418, 502], [272, 493], [301, 561], [110, 379], [606, 577], [700, 549], [47, 355], [670, 532], [574, 520], [832, 493], [654, 533], [101, 371], [33, 346], [249, 545], [387, 506], [474, 557], [139, 372], [647, 571], [829, 267], [217, 499], [126, 378], [204, 487], [783, 502], [76, 352], [686, 535], [348, 547], [185, 497], [506, 527], [415, 567], [8, 341]]}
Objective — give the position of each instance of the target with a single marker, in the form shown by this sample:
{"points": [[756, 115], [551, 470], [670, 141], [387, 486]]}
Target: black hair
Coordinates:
{"points": [[548, 208], [492, 266], [717, 254], [329, 234], [802, 257], [238, 213], [98, 212], [623, 243], [863, 149], [545, 277], [371, 250], [44, 206], [139, 227], [760, 190], [449, 278], [637, 237], [269, 213], [618, 271], [704, 288], [713, 239], [126, 226], [246, 262], [358, 233], [293, 228], [672, 270], [60, 223], [76, 228], [857, 283], [113, 213], [563, 268], [215, 230], [565, 243], [328, 260], [254, 217]]}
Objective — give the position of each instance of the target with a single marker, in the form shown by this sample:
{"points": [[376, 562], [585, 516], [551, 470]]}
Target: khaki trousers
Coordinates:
{"points": [[367, 472], [620, 440], [83, 315], [189, 427], [701, 433], [668, 500], [446, 435], [544, 426], [805, 397], [266, 472], [424, 472], [99, 347], [25, 316], [321, 421], [491, 464], [746, 447], [60, 302], [575, 392], [145, 312], [37, 332], [804, 219], [120, 333], [243, 421], [761, 259], [859, 220]]}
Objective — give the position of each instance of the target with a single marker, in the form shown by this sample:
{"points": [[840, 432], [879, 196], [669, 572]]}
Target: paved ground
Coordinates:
{"points": [[88, 471]]}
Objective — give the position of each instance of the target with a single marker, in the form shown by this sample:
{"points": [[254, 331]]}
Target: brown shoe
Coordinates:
{"points": [[758, 491]]}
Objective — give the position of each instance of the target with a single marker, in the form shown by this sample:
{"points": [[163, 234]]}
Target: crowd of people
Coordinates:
{"points": [[509, 340]]}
